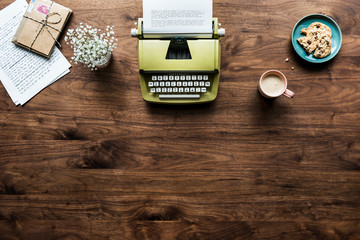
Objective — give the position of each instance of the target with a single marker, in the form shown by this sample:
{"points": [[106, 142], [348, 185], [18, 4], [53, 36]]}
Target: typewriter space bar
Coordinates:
{"points": [[179, 96]]}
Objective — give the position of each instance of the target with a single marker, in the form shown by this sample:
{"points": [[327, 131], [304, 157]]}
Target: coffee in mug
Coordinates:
{"points": [[273, 84]]}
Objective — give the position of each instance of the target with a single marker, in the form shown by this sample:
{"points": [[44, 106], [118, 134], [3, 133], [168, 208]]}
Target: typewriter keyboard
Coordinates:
{"points": [[179, 86]]}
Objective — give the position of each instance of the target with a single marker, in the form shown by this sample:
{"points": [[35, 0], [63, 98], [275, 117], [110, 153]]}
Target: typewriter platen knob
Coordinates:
{"points": [[134, 32], [221, 32]]}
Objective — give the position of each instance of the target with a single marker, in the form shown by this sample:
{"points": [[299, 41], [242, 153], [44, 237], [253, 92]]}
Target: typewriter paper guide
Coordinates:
{"points": [[184, 18]]}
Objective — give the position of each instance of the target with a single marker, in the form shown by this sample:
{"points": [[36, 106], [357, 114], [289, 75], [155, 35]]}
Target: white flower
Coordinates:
{"points": [[88, 46]]}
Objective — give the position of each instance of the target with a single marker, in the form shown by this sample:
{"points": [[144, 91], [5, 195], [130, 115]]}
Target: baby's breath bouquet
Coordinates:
{"points": [[90, 48]]}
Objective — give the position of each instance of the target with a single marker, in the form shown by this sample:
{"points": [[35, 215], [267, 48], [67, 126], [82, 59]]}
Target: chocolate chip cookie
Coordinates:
{"points": [[318, 39]]}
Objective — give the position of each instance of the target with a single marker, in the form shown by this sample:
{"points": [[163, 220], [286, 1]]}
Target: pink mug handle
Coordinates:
{"points": [[288, 93]]}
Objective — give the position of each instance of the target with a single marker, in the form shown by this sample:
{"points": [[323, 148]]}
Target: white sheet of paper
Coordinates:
{"points": [[61, 75], [177, 17], [25, 74]]}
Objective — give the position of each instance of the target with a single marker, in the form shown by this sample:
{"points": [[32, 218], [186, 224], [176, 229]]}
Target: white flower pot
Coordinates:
{"points": [[104, 62]]}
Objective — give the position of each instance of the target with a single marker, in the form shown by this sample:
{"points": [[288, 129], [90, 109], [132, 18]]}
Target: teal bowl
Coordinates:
{"points": [[336, 39]]}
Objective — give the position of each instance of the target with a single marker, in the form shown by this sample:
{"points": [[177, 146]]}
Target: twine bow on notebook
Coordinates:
{"points": [[44, 23]]}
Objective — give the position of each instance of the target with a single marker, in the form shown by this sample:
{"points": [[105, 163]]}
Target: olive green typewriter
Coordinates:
{"points": [[179, 69]]}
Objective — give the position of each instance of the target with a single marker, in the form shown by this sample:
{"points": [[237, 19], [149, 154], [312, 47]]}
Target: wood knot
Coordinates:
{"points": [[274, 132], [150, 213], [106, 155], [69, 134], [7, 188]]}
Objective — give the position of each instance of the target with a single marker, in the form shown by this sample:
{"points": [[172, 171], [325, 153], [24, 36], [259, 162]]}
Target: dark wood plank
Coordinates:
{"points": [[153, 154], [184, 230], [87, 158], [224, 202]]}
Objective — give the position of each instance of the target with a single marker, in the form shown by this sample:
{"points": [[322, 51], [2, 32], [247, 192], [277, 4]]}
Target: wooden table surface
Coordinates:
{"points": [[87, 158]]}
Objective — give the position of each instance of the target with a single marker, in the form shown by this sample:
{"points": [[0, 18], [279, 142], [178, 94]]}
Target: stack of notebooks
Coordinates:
{"points": [[22, 72]]}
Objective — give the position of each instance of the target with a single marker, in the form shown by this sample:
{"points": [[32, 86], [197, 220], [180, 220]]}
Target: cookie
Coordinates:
{"points": [[324, 47], [316, 30], [308, 44], [318, 39], [323, 28]]}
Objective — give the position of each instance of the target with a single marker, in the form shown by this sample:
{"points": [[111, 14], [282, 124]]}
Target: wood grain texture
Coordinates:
{"points": [[87, 158]]}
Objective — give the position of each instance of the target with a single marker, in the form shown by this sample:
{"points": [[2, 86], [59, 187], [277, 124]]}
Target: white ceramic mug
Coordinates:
{"points": [[273, 83]]}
